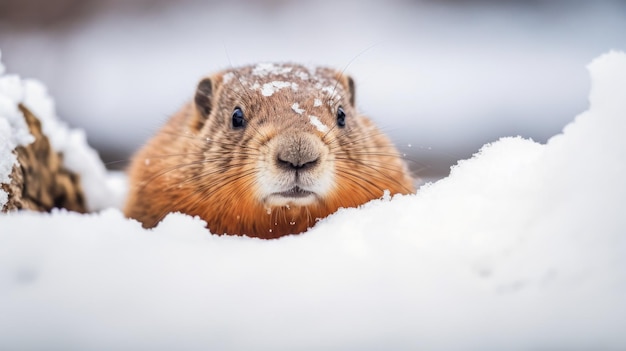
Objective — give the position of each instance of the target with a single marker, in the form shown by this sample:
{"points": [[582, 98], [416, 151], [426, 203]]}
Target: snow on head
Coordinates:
{"points": [[296, 108], [270, 88], [302, 75], [228, 77], [524, 244], [315, 121], [269, 78], [265, 69], [332, 91]]}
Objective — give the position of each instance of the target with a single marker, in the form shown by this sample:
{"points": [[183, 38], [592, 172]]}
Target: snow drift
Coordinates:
{"points": [[523, 246]]}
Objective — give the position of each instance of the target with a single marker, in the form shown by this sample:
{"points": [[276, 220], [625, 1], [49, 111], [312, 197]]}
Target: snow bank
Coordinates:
{"points": [[521, 247], [72, 143]]}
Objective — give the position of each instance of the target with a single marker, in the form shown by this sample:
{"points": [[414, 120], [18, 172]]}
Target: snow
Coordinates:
{"points": [[315, 121], [13, 129], [331, 91], [228, 77], [270, 88], [11, 94], [296, 108], [265, 69], [522, 247], [302, 75], [7, 158]]}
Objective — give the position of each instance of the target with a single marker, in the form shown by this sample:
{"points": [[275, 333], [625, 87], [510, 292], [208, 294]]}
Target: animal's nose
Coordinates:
{"points": [[298, 154], [292, 161]]}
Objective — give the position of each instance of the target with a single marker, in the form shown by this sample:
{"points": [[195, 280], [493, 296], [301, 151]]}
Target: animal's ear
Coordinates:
{"points": [[348, 85], [203, 101]]}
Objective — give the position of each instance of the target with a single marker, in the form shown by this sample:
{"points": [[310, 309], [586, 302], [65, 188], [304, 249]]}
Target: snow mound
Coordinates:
{"points": [[522, 247], [78, 156]]}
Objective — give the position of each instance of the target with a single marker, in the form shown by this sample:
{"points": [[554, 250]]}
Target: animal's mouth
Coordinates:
{"points": [[296, 192]]}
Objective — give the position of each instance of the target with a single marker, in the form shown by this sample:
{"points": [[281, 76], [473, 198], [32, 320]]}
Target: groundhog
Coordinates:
{"points": [[265, 150]]}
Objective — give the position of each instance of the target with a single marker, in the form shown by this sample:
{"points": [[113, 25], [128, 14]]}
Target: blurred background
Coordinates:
{"points": [[442, 77]]}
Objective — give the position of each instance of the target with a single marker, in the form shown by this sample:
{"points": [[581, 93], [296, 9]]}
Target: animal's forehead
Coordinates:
{"points": [[269, 78]]}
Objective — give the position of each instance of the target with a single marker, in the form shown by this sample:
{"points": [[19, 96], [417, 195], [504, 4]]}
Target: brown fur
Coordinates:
{"points": [[200, 165]]}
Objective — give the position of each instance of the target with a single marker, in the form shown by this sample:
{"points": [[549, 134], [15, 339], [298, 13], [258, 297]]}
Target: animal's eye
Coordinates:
{"points": [[238, 119], [341, 117]]}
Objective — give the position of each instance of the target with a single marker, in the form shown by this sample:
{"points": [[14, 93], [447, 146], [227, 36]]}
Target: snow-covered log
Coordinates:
{"points": [[39, 181]]}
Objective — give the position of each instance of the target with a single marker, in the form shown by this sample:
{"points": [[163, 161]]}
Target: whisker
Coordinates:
{"points": [[109, 163], [208, 175], [343, 71], [205, 140], [357, 180], [344, 156], [382, 176]]}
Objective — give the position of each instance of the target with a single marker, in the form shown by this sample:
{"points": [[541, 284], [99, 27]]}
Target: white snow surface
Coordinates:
{"points": [[522, 247], [100, 189]]}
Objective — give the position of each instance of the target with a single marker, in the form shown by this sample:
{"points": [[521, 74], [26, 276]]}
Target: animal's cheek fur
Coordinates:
{"points": [[265, 180]]}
